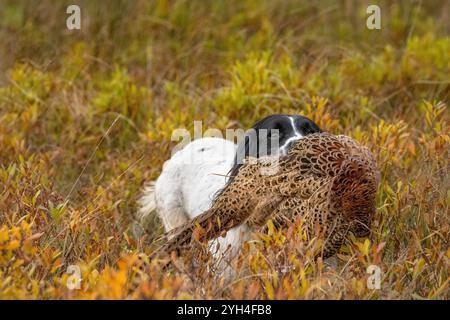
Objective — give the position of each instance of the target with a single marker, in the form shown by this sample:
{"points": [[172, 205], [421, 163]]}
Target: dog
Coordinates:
{"points": [[196, 174]]}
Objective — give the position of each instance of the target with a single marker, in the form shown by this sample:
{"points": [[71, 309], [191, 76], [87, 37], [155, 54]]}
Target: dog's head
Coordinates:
{"points": [[271, 136]]}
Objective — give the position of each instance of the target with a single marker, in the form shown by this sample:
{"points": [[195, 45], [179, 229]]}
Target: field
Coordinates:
{"points": [[86, 118]]}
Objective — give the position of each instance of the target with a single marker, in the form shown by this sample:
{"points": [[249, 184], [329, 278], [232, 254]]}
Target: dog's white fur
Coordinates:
{"points": [[192, 176], [186, 188]]}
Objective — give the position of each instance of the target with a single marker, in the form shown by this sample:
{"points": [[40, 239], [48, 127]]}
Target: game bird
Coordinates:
{"points": [[329, 181], [194, 175]]}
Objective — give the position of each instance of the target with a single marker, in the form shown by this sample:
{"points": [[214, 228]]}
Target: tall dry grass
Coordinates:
{"points": [[86, 118]]}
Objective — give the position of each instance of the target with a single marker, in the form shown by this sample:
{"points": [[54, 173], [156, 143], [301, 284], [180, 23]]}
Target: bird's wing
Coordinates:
{"points": [[309, 165], [230, 209], [253, 197]]}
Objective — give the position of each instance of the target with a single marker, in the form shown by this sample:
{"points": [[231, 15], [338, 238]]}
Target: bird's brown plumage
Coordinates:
{"points": [[330, 181]]}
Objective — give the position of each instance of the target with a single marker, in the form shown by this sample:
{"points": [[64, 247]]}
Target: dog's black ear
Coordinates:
{"points": [[307, 126], [311, 127]]}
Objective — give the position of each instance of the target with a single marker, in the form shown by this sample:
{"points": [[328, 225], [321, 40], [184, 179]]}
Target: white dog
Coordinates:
{"points": [[192, 177]]}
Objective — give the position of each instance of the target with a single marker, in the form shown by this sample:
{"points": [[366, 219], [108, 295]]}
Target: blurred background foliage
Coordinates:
{"points": [[86, 117]]}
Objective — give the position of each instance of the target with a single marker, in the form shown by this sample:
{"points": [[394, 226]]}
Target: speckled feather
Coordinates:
{"points": [[330, 181]]}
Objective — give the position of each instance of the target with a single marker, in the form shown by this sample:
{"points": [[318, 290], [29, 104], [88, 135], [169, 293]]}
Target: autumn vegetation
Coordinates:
{"points": [[86, 118]]}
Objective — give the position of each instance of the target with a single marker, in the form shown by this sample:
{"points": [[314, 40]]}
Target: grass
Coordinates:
{"points": [[86, 118]]}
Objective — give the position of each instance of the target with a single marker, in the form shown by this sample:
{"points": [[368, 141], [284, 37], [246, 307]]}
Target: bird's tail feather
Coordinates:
{"points": [[183, 235], [203, 228]]}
